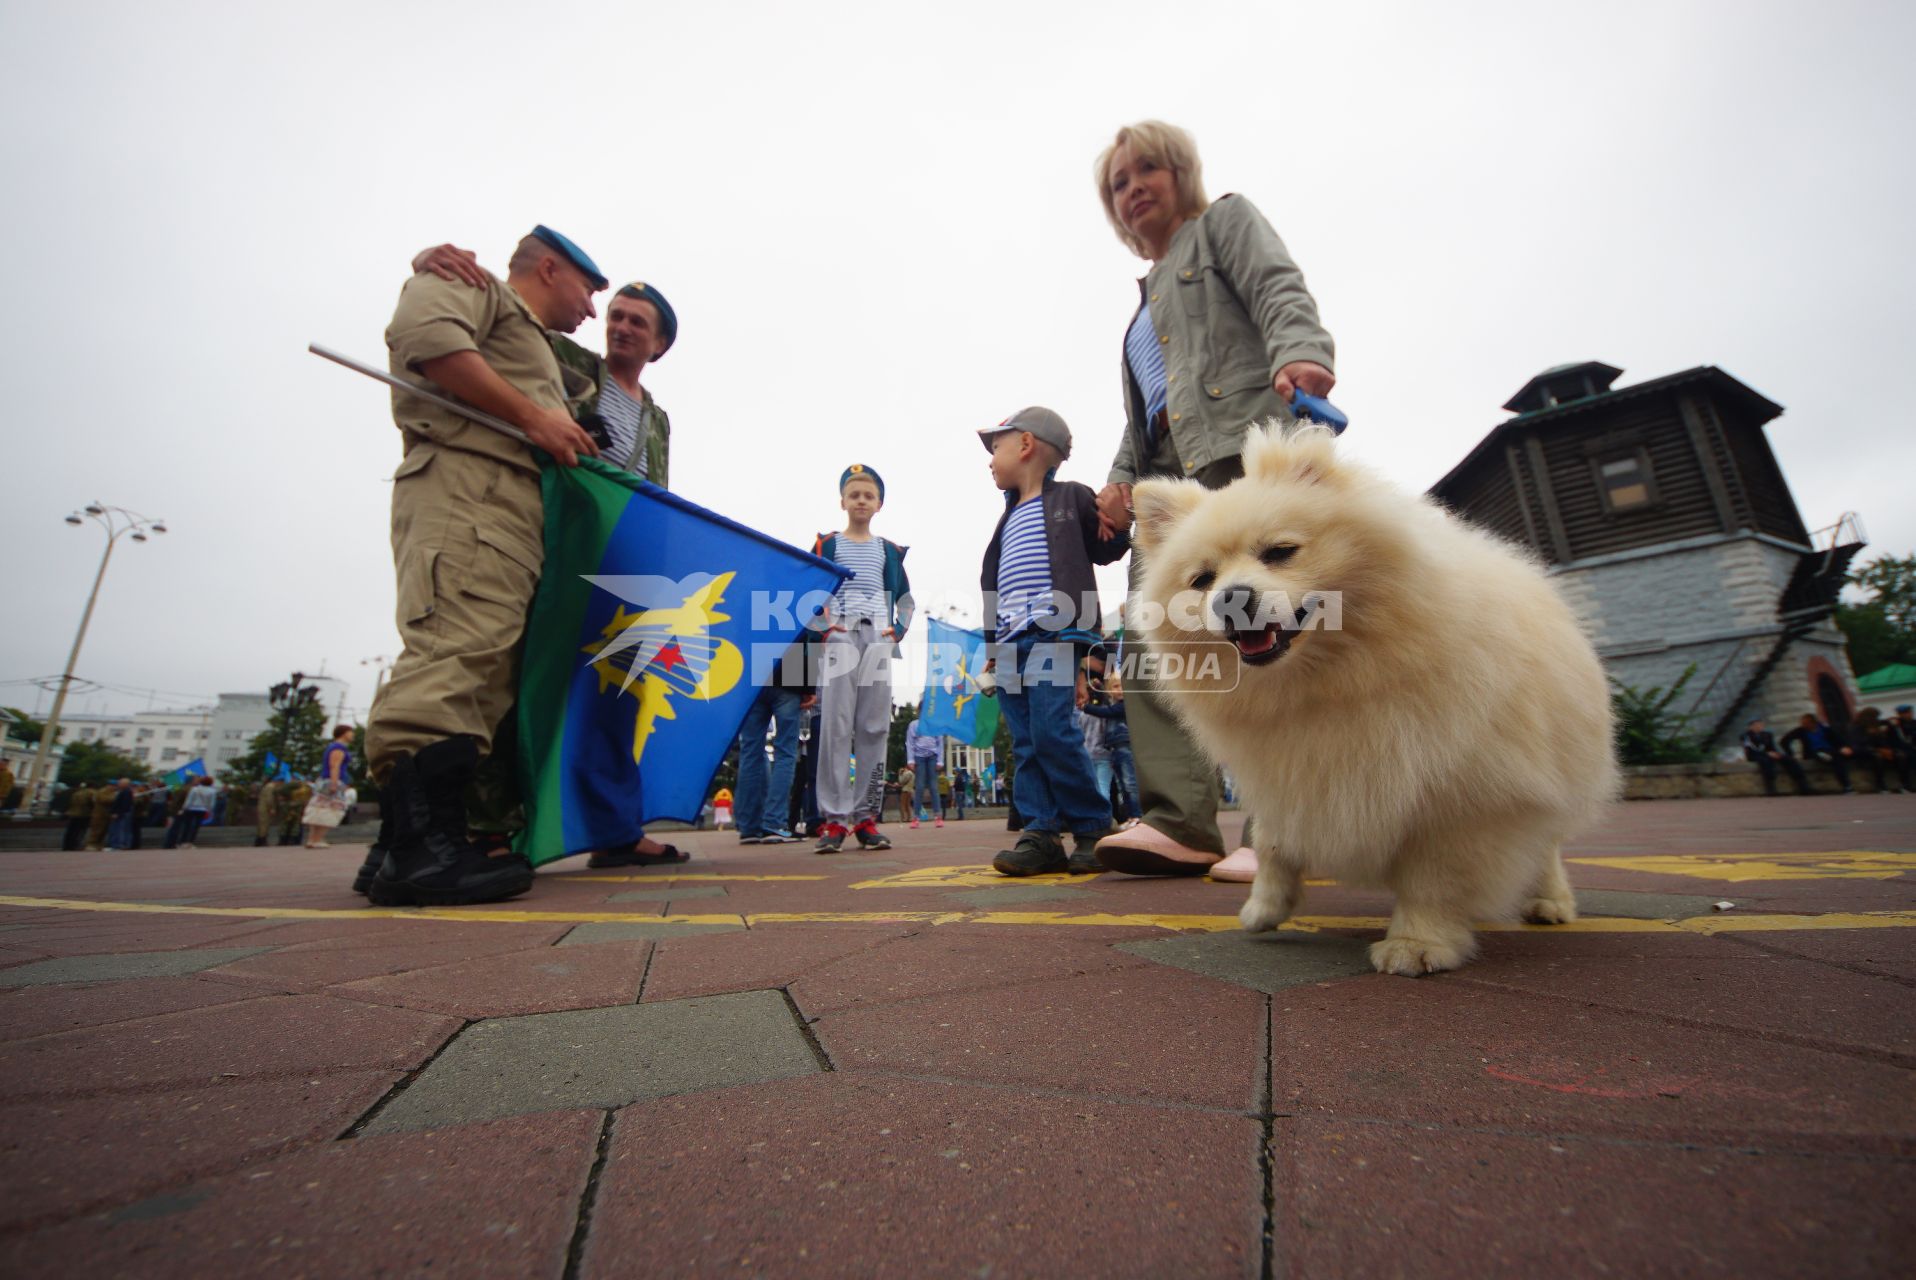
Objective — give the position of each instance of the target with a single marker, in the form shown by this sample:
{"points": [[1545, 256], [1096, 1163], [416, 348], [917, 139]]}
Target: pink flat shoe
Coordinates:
{"points": [[1146, 851], [1238, 867]]}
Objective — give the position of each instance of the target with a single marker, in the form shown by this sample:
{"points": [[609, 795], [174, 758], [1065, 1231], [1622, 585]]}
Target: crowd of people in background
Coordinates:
{"points": [[1885, 747]]}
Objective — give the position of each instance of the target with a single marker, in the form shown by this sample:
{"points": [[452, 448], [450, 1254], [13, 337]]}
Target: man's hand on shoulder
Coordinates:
{"points": [[450, 262]]}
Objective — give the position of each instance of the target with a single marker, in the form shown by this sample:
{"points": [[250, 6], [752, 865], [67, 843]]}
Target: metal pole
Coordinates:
{"points": [[444, 401], [52, 725]]}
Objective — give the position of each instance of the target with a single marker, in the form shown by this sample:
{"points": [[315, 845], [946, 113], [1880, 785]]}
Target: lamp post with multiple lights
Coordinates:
{"points": [[116, 521]]}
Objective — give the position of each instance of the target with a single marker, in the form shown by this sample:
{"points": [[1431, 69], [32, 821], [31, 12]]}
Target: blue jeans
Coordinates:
{"points": [[1054, 786], [1127, 771], [765, 790], [924, 796]]}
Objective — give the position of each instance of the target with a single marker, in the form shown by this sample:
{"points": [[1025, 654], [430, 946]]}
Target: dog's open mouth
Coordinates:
{"points": [[1268, 645]]}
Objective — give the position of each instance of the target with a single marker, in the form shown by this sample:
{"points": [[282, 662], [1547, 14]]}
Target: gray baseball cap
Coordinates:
{"points": [[1040, 422]]}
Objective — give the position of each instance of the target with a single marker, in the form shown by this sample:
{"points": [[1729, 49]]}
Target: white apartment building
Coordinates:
{"points": [[218, 734]]}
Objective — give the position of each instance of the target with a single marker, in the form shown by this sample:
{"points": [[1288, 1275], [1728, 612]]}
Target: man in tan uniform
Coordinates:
{"points": [[266, 806], [468, 545], [79, 814]]}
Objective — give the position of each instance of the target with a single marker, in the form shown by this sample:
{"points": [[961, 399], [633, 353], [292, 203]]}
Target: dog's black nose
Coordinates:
{"points": [[1232, 607]]}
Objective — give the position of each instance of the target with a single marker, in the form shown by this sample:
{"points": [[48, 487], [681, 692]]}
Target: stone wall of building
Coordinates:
{"points": [[1705, 602]]}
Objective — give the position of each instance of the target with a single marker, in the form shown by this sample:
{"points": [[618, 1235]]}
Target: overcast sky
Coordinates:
{"points": [[879, 229]]}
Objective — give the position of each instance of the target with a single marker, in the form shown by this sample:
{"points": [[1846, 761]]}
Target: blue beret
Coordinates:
{"points": [[668, 318], [859, 471], [1903, 708], [573, 254]]}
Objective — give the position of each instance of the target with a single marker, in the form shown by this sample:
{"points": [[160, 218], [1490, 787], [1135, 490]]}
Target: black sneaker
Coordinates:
{"points": [[1037, 853], [831, 838], [745, 839], [869, 836]]}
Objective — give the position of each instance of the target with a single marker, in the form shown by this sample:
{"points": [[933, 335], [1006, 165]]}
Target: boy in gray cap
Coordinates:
{"points": [[1041, 616]]}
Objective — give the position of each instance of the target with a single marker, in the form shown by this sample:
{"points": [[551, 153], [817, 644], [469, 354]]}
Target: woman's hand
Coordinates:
{"points": [[1114, 510], [450, 262], [1308, 376]]}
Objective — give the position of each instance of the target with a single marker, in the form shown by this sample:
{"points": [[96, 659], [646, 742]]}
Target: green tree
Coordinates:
{"points": [[1648, 732], [88, 764], [901, 718], [296, 735], [1882, 629], [25, 727]]}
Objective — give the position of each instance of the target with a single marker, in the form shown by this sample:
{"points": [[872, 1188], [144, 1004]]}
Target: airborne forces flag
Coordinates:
{"points": [[654, 619]]}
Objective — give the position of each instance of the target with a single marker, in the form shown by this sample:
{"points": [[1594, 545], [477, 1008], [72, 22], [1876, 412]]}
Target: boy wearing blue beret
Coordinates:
{"points": [[868, 617]]}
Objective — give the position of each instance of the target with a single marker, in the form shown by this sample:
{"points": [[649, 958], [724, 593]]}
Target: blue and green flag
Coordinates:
{"points": [[276, 768], [194, 768], [655, 625], [952, 704]]}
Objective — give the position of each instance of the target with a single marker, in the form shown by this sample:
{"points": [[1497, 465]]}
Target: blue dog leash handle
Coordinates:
{"points": [[1310, 408]]}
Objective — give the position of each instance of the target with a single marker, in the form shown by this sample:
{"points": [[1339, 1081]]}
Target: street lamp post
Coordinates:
{"points": [[116, 521]]}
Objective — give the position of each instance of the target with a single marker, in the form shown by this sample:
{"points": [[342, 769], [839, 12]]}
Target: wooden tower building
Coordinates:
{"points": [[1665, 519]]}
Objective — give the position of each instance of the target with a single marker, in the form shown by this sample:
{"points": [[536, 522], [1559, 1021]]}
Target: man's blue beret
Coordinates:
{"points": [[572, 253], [668, 318]]}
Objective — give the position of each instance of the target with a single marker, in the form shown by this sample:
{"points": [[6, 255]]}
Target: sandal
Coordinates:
{"points": [[635, 857]]}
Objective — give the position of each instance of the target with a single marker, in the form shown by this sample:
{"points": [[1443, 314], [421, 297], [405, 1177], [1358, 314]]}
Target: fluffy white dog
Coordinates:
{"points": [[1405, 700]]}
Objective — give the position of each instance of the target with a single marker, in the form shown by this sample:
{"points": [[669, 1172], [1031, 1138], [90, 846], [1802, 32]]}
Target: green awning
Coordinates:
{"points": [[1894, 676]]}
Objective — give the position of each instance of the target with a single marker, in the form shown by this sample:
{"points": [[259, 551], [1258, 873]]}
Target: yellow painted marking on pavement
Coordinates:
{"points": [[571, 879], [981, 876], [1727, 923], [1730, 922], [1736, 868], [974, 876]]}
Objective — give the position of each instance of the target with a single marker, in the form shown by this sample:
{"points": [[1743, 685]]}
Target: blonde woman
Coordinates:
{"points": [[1224, 335]]}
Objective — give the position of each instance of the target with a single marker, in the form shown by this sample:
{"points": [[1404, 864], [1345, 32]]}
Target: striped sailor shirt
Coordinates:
{"points": [[1024, 570], [1144, 352], [624, 419], [863, 594]]}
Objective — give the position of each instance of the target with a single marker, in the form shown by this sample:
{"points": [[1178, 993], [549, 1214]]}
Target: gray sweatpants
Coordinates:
{"points": [[854, 716]]}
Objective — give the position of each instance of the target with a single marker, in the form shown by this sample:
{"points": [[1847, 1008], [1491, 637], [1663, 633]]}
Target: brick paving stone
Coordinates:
{"points": [[668, 895], [59, 1157], [145, 933], [518, 982], [1380, 1200], [315, 966], [835, 1175], [1776, 995], [1431, 1050], [1013, 895], [41, 1011], [1149, 1033], [602, 1058], [272, 1035], [1885, 951], [1642, 905], [586, 935], [119, 966], [493, 1200], [933, 959], [768, 956], [1263, 962]]}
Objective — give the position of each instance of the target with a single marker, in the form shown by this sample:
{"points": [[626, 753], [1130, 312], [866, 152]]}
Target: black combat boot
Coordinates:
{"points": [[259, 842], [432, 863], [381, 846]]}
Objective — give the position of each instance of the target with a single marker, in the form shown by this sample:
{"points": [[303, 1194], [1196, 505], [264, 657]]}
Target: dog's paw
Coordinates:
{"points": [[1258, 915], [1414, 957], [1556, 910]]}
